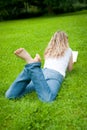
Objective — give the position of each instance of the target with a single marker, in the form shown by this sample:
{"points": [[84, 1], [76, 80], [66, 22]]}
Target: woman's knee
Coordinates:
{"points": [[9, 95], [48, 98]]}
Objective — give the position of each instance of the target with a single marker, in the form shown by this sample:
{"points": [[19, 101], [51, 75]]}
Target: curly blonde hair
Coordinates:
{"points": [[57, 45]]}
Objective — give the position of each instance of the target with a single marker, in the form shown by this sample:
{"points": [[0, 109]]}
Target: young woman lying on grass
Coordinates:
{"points": [[47, 81]]}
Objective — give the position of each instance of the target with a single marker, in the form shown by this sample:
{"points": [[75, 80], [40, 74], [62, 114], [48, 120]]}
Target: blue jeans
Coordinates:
{"points": [[45, 82]]}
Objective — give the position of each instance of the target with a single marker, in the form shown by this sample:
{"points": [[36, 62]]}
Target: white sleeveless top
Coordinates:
{"points": [[59, 64]]}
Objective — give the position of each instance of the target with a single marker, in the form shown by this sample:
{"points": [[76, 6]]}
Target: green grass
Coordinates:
{"points": [[69, 110]]}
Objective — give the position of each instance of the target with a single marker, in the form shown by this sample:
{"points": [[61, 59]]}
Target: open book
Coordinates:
{"points": [[75, 55]]}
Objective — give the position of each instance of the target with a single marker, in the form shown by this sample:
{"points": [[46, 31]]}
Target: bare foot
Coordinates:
{"points": [[22, 53], [37, 58]]}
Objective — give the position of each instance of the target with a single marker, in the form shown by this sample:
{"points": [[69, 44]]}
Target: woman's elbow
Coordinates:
{"points": [[70, 68]]}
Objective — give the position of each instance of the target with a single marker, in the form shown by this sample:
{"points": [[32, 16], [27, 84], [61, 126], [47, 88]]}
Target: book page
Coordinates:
{"points": [[75, 55]]}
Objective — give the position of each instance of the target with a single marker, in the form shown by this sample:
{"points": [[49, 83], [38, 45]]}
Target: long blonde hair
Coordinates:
{"points": [[57, 45]]}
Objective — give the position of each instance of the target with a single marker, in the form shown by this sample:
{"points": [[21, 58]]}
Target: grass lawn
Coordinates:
{"points": [[69, 110]]}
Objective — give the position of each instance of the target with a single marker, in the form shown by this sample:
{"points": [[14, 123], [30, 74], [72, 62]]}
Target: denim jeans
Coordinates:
{"points": [[45, 82]]}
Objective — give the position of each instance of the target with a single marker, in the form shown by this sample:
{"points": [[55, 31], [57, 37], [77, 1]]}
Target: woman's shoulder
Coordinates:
{"points": [[69, 50]]}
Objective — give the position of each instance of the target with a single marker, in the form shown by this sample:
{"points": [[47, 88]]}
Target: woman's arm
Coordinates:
{"points": [[70, 65]]}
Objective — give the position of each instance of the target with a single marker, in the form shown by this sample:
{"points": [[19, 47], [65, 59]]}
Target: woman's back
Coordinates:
{"points": [[59, 64]]}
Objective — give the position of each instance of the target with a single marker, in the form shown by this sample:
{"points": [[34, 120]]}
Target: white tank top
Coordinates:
{"points": [[59, 64]]}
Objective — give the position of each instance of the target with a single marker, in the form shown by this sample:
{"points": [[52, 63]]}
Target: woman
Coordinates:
{"points": [[47, 81]]}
